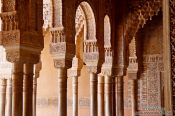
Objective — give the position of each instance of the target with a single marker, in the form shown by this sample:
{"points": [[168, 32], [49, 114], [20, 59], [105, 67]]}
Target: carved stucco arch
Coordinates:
{"points": [[139, 14], [90, 20]]}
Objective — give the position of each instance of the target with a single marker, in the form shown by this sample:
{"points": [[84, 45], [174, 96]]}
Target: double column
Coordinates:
{"points": [[22, 89]]}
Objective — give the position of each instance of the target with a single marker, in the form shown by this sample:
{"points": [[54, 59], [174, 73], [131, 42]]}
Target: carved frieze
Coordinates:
{"points": [[11, 38]]}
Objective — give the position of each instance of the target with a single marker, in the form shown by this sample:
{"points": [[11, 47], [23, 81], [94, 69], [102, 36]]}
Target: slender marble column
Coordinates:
{"points": [[108, 96], [2, 96], [119, 96], [34, 95], [93, 94], [75, 95], [133, 97], [62, 92], [28, 90], [17, 87], [100, 95], [8, 108]]}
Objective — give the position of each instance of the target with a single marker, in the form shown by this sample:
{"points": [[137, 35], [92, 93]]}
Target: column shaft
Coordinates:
{"points": [[93, 94], [17, 86], [28, 90], [75, 95], [2, 96], [9, 98], [34, 95], [133, 97], [108, 96], [100, 95], [119, 96], [62, 92]]}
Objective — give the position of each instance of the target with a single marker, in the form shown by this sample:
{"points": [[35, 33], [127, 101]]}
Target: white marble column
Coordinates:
{"points": [[108, 96], [8, 108], [119, 96], [28, 90], [100, 95], [93, 94], [62, 91], [2, 96], [17, 89], [75, 95]]}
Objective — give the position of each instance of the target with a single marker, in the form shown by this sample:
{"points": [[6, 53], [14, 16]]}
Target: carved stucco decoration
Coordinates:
{"points": [[91, 55], [107, 65], [133, 63], [140, 12], [172, 45], [8, 5], [58, 48], [21, 44], [47, 14], [79, 20], [77, 65]]}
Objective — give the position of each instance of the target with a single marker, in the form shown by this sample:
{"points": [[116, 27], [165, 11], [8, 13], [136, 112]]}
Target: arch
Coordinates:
{"points": [[90, 27], [107, 31]]}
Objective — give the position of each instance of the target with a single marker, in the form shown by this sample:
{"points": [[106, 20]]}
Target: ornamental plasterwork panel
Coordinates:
{"points": [[47, 14]]}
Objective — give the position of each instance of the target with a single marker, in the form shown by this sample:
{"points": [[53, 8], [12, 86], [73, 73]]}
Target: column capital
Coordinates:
{"points": [[132, 68], [91, 55], [119, 71], [107, 65], [23, 47], [61, 50], [75, 70]]}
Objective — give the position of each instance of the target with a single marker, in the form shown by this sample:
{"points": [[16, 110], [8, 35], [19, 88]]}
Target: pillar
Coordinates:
{"points": [[93, 94], [133, 97], [75, 95], [28, 90], [8, 107], [2, 96], [17, 87], [34, 95], [62, 92], [119, 96], [108, 96], [100, 95]]}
